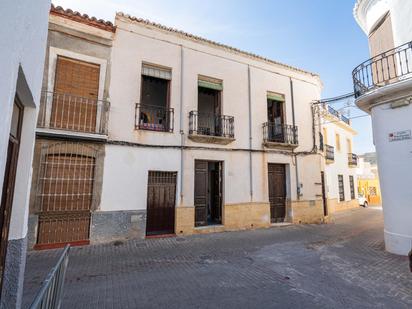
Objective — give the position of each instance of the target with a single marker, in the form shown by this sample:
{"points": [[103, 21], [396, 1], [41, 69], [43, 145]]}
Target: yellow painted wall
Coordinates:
{"points": [[365, 187]]}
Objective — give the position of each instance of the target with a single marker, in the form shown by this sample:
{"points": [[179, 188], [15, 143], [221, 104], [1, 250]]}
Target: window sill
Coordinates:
{"points": [[209, 139]]}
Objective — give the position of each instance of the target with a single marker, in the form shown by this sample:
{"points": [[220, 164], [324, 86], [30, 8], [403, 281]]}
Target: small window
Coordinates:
{"points": [[349, 144], [352, 187], [154, 111], [337, 142], [341, 188]]}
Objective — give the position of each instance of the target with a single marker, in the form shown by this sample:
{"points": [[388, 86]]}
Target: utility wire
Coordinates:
{"points": [[354, 117], [334, 99]]}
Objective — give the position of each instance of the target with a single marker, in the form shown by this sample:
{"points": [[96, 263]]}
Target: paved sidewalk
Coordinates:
{"points": [[340, 265]]}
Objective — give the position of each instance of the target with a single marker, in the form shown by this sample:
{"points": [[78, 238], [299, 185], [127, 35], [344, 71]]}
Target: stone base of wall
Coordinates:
{"points": [[108, 226], [335, 206], [105, 226], [308, 212], [12, 290], [235, 217]]}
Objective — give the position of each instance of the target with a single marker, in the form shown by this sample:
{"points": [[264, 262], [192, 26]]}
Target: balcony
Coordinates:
{"points": [[329, 153], [70, 115], [210, 128], [280, 135], [388, 68], [352, 160], [336, 114], [154, 118]]}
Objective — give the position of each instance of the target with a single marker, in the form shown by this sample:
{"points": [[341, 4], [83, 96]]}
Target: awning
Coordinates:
{"points": [[210, 83], [154, 71], [275, 96]]}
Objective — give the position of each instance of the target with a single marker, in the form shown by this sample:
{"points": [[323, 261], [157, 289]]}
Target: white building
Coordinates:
{"points": [[223, 121], [23, 35], [201, 137], [340, 160], [383, 87]]}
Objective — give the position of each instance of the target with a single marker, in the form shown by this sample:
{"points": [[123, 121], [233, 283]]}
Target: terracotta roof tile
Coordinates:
{"points": [[82, 18]]}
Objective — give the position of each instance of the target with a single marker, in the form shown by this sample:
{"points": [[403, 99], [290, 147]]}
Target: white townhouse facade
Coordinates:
{"points": [[383, 88], [146, 130], [340, 160], [222, 131], [23, 34]]}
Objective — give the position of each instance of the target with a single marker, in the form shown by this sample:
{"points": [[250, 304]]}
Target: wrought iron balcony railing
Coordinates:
{"points": [[387, 68], [329, 109], [352, 159], [63, 111], [154, 118], [280, 133], [211, 125], [329, 153]]}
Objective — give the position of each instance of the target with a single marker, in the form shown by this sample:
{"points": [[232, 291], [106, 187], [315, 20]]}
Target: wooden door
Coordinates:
{"points": [[277, 192], [76, 90], [161, 197], [9, 182], [66, 200], [217, 180], [201, 192], [325, 204]]}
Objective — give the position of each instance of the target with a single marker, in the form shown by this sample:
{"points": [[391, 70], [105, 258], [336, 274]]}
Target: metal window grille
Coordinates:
{"points": [[65, 192], [341, 188], [352, 187]]}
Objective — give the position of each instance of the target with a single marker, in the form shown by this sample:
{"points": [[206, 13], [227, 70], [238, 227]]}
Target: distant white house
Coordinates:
{"points": [[383, 88], [340, 160]]}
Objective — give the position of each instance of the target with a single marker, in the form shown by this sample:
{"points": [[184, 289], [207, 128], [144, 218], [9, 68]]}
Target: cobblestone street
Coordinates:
{"points": [[339, 265]]}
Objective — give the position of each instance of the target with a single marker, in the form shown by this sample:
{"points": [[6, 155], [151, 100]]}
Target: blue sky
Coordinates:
{"points": [[317, 35]]}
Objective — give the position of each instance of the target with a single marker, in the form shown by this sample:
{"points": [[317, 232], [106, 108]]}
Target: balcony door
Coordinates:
{"points": [[76, 88], [275, 119], [209, 111]]}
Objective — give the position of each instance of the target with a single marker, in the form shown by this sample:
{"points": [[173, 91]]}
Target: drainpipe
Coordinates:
{"points": [[250, 134], [182, 137], [294, 124]]}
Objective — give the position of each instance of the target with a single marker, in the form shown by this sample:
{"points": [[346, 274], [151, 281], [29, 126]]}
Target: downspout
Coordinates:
{"points": [[250, 134], [294, 155], [182, 137]]}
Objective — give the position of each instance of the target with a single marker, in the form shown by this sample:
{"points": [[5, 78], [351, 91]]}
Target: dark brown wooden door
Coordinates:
{"points": [[9, 182], [325, 203], [201, 192], [75, 103], [66, 200], [277, 192], [161, 199]]}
